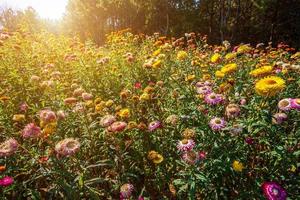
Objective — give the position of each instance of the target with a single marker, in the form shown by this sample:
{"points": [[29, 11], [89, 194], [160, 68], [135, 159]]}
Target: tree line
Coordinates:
{"points": [[238, 21]]}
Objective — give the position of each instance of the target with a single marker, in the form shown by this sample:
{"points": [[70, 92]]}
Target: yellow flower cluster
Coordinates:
{"points": [[269, 86], [262, 71]]}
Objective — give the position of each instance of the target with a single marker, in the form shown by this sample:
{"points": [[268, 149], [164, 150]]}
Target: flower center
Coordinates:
{"points": [[285, 103], [275, 191], [271, 82], [213, 97], [218, 121], [184, 141], [297, 101]]}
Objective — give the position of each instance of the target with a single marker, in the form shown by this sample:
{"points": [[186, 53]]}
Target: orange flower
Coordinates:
{"points": [[2, 168]]}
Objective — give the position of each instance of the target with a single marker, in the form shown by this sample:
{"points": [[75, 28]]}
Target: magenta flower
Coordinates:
{"points": [[217, 123], [8, 147], [31, 131], [204, 90], [67, 147], [214, 98], [273, 191], [285, 104], [185, 145], [154, 125], [6, 181], [126, 191], [86, 96], [295, 104], [23, 107]]}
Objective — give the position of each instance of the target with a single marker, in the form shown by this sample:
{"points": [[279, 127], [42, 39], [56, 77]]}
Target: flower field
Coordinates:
{"points": [[147, 117]]}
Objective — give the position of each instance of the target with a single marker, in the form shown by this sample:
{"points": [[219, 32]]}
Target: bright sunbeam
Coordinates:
{"points": [[48, 9]]}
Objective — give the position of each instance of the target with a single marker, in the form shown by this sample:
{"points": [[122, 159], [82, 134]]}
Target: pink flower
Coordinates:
{"points": [[47, 116], [204, 90], [117, 126], [202, 155], [6, 181], [214, 98], [137, 85], [154, 125], [185, 145], [31, 131], [87, 96], [273, 191], [285, 104], [107, 120], [126, 191], [217, 123], [67, 147], [8, 147], [296, 104], [191, 157], [279, 118]]}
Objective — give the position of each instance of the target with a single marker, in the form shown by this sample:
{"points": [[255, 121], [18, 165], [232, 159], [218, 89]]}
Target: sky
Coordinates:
{"points": [[47, 9]]}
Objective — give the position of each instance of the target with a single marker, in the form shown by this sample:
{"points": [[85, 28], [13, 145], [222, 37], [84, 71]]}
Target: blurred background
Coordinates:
{"points": [[238, 21]]}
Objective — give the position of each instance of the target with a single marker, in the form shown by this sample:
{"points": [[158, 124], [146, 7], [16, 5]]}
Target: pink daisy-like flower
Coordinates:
{"points": [[217, 123], [86, 96], [191, 157], [273, 191], [8, 147], [285, 104], [47, 116], [213, 98], [126, 191], [279, 118], [236, 129], [204, 90], [117, 126], [6, 181], [185, 145], [107, 120], [31, 131], [67, 147], [296, 104], [154, 125]]}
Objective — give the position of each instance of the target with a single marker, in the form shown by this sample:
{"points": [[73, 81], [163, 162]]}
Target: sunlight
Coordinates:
{"points": [[48, 9]]}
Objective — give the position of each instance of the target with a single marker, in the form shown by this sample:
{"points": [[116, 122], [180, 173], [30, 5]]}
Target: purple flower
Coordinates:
{"points": [[154, 125], [296, 104], [6, 181], [31, 131], [285, 104], [214, 98], [191, 157], [273, 191], [204, 90], [126, 191], [249, 140], [278, 118], [67, 147], [185, 145], [217, 123]]}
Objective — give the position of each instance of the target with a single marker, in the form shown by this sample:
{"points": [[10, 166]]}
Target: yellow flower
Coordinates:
{"points": [[215, 58], [190, 77], [157, 52], [206, 77], [49, 128], [230, 56], [18, 117], [145, 96], [155, 157], [97, 100], [237, 166], [244, 49], [148, 89], [269, 86], [229, 68], [99, 107], [182, 55], [89, 103], [219, 74], [156, 64], [124, 113], [262, 71], [132, 125], [109, 103]]}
